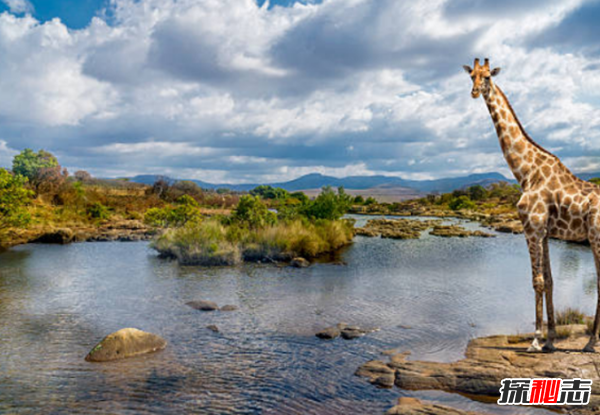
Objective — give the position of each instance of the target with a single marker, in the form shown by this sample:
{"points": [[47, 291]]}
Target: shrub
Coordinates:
{"points": [[82, 176], [252, 212], [98, 211], [461, 202], [13, 199], [186, 210], [300, 197], [328, 205], [595, 180], [370, 201], [269, 192], [359, 200], [477, 192]]}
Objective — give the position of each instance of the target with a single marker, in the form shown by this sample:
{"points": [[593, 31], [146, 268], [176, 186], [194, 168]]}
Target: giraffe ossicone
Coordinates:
{"points": [[555, 203]]}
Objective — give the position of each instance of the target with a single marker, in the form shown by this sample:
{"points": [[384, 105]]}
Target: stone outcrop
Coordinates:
{"points": [[125, 343], [413, 406], [489, 360], [229, 307], [450, 231], [396, 228]]}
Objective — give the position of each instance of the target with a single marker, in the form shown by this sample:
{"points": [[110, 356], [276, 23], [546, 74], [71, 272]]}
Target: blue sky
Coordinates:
{"points": [[230, 91]]}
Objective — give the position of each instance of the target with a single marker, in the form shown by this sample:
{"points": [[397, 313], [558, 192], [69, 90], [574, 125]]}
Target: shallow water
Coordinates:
{"points": [[57, 302]]}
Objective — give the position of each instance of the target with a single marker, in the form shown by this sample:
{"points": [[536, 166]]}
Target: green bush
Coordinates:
{"points": [[461, 202], [269, 192], [186, 209], [252, 212], [98, 211], [477, 192], [14, 197], [328, 205], [595, 180]]}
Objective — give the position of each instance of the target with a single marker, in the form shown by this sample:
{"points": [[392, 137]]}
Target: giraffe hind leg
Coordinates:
{"points": [[548, 291], [595, 243]]}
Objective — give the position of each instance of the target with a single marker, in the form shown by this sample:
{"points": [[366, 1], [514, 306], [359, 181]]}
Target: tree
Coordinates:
{"points": [[13, 199], [359, 200], [328, 205], [28, 163]]}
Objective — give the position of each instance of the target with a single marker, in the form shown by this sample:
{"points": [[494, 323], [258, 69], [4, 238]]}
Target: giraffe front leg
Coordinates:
{"points": [[536, 251]]}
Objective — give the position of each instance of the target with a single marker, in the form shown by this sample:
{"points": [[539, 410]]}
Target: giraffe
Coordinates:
{"points": [[554, 202]]}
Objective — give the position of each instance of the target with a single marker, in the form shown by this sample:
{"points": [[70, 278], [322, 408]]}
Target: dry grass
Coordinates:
{"points": [[569, 316], [212, 243]]}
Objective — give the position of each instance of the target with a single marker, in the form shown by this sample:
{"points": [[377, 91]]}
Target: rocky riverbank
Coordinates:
{"points": [[507, 222], [122, 230], [487, 361]]}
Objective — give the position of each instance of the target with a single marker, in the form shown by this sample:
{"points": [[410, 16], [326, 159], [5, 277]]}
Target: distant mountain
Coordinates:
{"points": [[317, 181]]}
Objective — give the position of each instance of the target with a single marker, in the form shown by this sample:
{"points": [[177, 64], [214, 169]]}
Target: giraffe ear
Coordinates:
{"points": [[467, 69], [495, 71]]}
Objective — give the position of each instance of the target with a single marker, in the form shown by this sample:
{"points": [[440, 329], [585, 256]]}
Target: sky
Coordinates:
{"points": [[245, 91]]}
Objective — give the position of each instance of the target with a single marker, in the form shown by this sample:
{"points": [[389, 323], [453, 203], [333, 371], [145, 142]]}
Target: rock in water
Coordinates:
{"points": [[213, 328], [125, 343], [203, 305], [229, 307], [300, 263], [329, 333]]}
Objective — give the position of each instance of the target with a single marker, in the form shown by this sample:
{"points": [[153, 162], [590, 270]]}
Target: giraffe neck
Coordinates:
{"points": [[521, 152]]}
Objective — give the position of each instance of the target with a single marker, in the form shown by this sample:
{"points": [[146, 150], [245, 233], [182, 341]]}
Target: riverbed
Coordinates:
{"points": [[429, 296]]}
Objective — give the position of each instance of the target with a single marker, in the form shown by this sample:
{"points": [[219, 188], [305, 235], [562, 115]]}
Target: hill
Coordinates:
{"points": [[382, 184]]}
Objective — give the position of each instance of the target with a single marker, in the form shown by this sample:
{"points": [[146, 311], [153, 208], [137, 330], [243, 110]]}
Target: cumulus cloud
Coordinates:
{"points": [[19, 6], [230, 90]]}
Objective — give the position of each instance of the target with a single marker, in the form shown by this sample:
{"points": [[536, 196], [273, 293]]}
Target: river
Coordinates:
{"points": [[429, 296]]}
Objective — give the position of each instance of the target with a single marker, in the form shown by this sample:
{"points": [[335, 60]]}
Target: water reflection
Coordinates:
{"points": [[56, 302]]}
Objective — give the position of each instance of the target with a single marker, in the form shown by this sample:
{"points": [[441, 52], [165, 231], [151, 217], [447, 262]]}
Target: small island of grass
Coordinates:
{"points": [[300, 228]]}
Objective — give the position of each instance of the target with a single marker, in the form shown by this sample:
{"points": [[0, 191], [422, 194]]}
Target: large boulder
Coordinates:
{"points": [[203, 305], [125, 343]]}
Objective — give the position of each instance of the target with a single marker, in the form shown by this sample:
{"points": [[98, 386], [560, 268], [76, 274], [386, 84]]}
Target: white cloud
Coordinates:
{"points": [[19, 6]]}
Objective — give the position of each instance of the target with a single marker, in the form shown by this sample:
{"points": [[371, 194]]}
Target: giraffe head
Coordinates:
{"points": [[481, 76]]}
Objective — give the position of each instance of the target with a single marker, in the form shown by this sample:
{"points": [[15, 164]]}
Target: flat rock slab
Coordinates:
{"points": [[489, 360], [229, 307], [125, 343], [203, 305], [412, 406]]}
